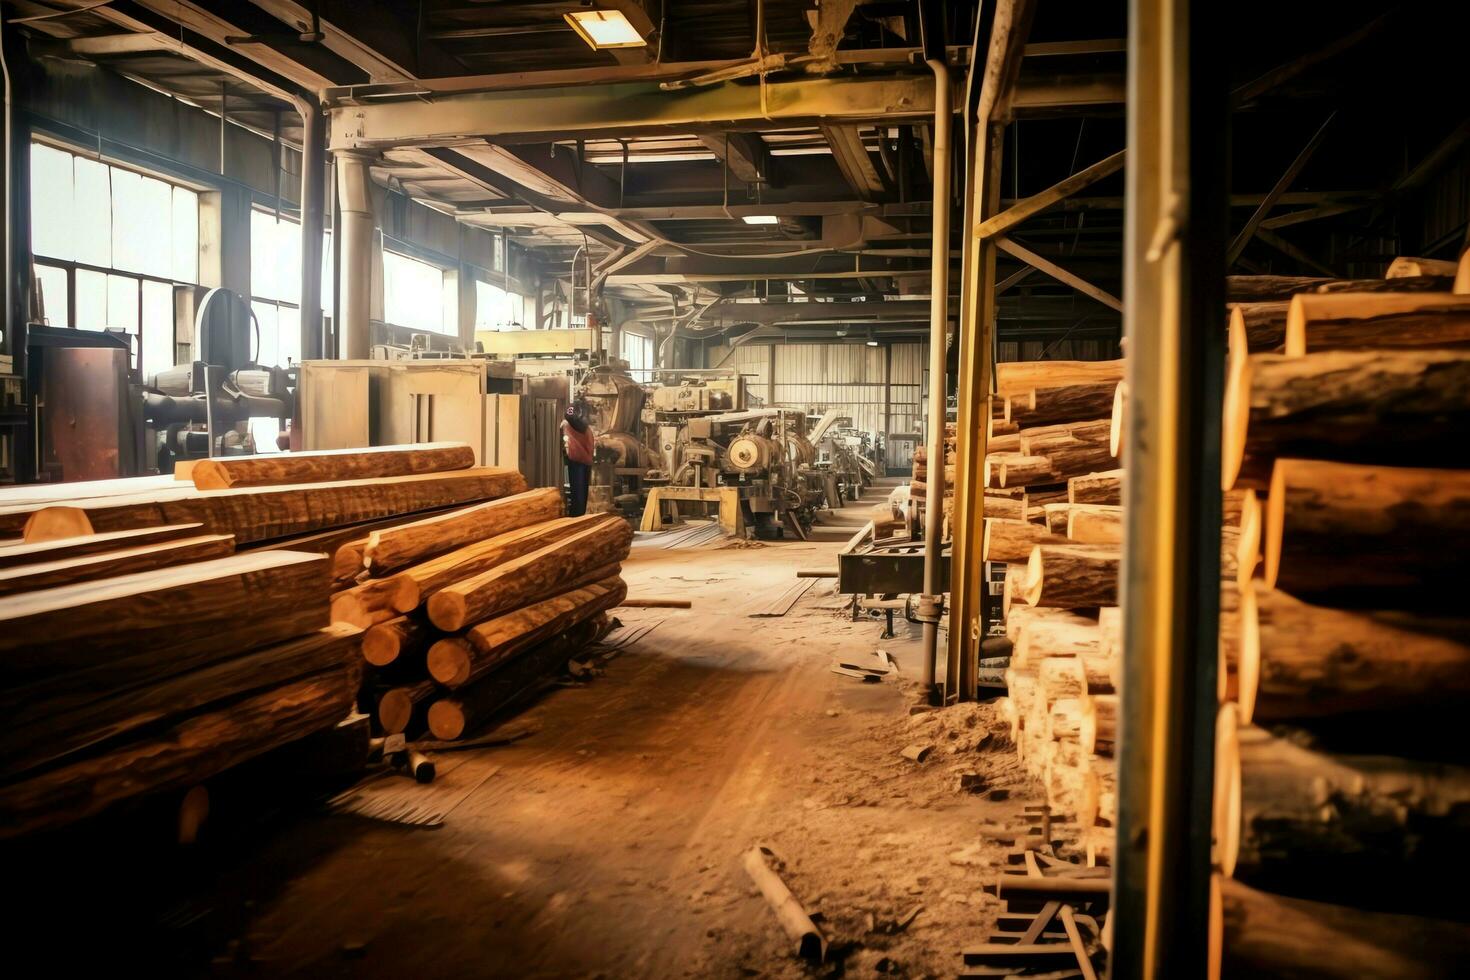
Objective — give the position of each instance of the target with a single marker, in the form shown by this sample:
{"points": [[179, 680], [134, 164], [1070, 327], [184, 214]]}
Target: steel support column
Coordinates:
{"points": [[1174, 250], [313, 218], [355, 242]]}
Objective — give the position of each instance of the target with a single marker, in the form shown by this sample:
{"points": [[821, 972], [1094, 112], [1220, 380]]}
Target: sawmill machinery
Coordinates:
{"points": [[709, 450], [202, 408], [614, 405]]}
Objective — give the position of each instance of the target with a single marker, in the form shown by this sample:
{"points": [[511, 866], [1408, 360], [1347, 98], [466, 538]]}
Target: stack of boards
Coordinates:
{"points": [[1054, 517], [466, 610], [161, 631], [1342, 802]]}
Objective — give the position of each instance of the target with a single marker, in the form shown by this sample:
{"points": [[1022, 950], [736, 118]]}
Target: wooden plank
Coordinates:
{"points": [[77, 643], [255, 514], [331, 465], [1084, 962], [109, 564], [22, 552]]}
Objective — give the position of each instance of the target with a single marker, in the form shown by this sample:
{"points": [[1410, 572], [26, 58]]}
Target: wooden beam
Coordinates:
{"points": [[1058, 273], [1021, 210], [1291, 69], [1287, 248], [851, 157], [1292, 172], [1008, 32], [745, 155]]}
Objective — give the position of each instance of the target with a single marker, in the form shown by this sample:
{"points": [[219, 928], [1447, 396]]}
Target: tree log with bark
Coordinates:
{"points": [[410, 544], [540, 573], [1346, 321], [1072, 576], [1368, 536], [1382, 406], [1258, 934], [332, 465], [1012, 541], [1300, 661], [457, 661], [1105, 487]]}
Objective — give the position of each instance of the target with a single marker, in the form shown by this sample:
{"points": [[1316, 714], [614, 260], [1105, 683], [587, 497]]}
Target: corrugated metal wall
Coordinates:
{"points": [[848, 377]]}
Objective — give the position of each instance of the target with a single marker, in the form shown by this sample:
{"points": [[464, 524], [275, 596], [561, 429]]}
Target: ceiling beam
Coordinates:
{"points": [[615, 109], [312, 67], [368, 34], [850, 154], [1291, 173], [188, 43], [744, 154]]}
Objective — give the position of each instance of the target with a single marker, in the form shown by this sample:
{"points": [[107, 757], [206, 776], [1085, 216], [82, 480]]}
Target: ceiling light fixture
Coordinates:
{"points": [[761, 219], [603, 29], [872, 343]]}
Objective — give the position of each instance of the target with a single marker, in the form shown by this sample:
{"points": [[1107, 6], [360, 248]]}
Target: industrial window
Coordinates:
{"points": [[498, 309], [638, 352], [415, 295], [109, 244], [275, 285]]}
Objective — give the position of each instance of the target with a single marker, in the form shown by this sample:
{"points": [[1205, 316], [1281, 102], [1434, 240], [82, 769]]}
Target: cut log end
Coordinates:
{"points": [[1118, 420], [1248, 660], [449, 661], [1227, 789], [447, 611], [395, 709], [447, 719], [1235, 420], [1275, 524]]}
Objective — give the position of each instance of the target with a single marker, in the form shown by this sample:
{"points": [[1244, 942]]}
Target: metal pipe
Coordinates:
{"points": [[354, 191], [313, 199], [938, 349]]}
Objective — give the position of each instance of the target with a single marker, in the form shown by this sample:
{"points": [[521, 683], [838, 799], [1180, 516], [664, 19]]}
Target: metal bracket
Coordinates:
{"points": [[928, 609]]}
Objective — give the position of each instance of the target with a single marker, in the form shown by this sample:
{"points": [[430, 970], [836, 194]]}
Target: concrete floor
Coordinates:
{"points": [[609, 843]]}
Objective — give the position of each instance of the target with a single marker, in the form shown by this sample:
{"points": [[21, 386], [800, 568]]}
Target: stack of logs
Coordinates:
{"points": [[143, 654], [464, 611], [1053, 515], [1341, 798], [919, 486]]}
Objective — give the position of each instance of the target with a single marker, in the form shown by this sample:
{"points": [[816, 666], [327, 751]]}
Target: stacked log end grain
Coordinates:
{"points": [[467, 610], [1342, 801], [144, 655], [919, 485], [1053, 511]]}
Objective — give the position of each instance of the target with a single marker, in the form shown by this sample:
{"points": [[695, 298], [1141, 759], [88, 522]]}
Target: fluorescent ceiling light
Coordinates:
{"points": [[605, 29], [872, 343], [761, 219]]}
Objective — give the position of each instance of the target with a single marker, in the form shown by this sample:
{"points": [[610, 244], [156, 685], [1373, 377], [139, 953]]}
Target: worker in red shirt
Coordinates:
{"points": [[579, 443]]}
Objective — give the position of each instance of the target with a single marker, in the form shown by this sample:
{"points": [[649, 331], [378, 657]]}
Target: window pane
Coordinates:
{"points": [[413, 293], [52, 282], [268, 352], [91, 312], [92, 212], [158, 328], [288, 261], [142, 224], [51, 202], [288, 342], [185, 235], [262, 255], [122, 303]]}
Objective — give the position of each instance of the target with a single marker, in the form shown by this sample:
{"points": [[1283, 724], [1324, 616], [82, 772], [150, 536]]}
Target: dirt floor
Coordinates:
{"points": [[609, 842]]}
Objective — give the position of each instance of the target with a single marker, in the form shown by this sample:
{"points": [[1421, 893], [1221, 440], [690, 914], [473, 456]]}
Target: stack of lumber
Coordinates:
{"points": [[145, 655], [1341, 795], [1054, 516], [463, 610]]}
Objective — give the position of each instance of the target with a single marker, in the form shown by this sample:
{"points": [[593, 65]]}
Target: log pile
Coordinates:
{"points": [[464, 611], [1345, 648], [144, 655], [1061, 551], [919, 485]]}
